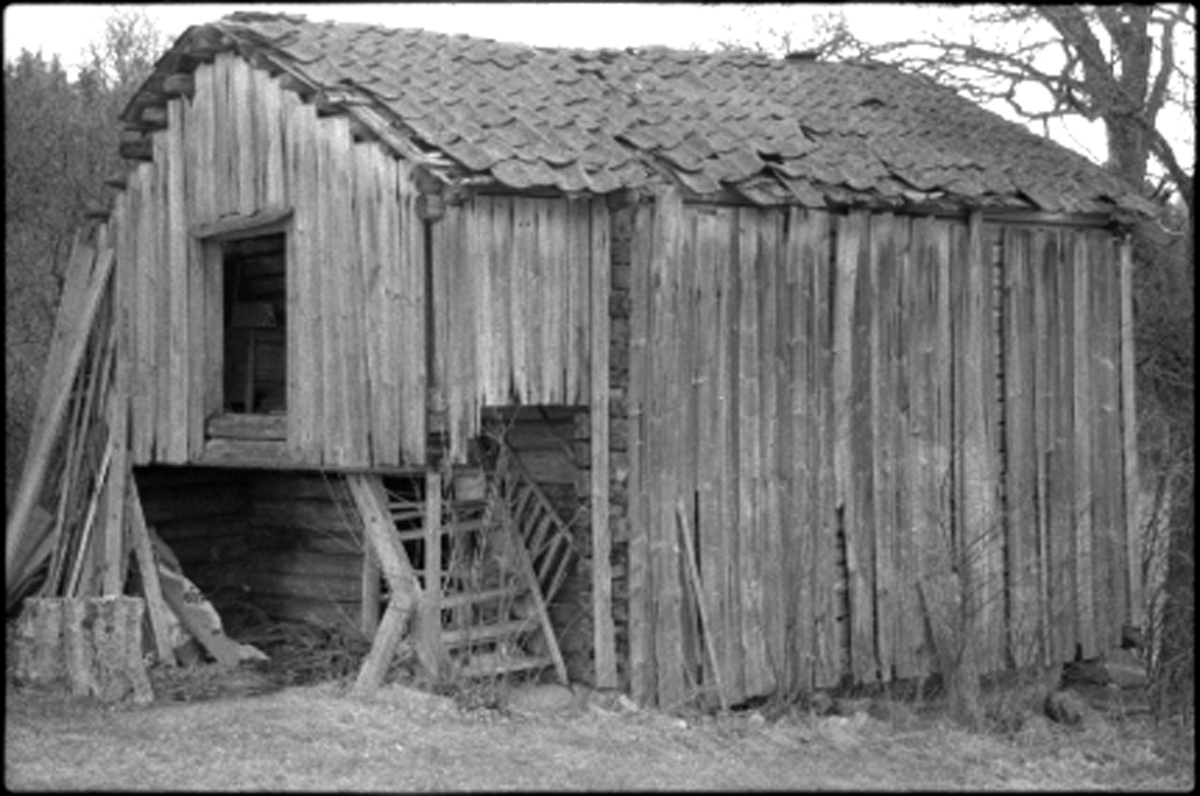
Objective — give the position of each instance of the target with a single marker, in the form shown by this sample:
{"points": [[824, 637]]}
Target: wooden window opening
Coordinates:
{"points": [[255, 324]]}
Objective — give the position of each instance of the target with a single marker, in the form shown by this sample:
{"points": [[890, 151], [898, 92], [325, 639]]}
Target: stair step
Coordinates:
{"points": [[454, 527], [403, 513], [474, 598], [490, 664], [482, 633]]}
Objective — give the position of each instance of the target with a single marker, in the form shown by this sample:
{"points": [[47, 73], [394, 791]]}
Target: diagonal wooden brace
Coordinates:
{"points": [[403, 616]]}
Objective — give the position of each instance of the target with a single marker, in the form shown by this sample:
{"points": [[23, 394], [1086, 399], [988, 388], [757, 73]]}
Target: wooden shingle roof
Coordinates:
{"points": [[772, 130]]}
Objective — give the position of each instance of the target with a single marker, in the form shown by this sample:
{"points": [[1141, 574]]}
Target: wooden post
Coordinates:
{"points": [[431, 615], [406, 597], [371, 593], [602, 619]]}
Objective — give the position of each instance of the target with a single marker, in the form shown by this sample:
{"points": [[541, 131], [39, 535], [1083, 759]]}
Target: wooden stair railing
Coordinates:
{"points": [[487, 572]]}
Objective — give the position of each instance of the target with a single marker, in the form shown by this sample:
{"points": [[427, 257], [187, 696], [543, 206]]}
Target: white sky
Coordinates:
{"points": [[66, 30]]}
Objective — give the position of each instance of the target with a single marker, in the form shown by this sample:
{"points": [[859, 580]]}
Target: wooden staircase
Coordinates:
{"points": [[500, 556]]}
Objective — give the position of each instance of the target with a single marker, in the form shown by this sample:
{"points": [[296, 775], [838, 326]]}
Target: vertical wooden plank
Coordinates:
{"points": [[1058, 284], [861, 521], [901, 506], [373, 331], [304, 339], [1082, 377], [220, 125], [229, 189], [885, 356], [1128, 420], [852, 429], [385, 292], [993, 595], [125, 292], [129, 284], [641, 629], [440, 304], [682, 442], [931, 414], [326, 302], [940, 534], [204, 131], [166, 327], [414, 378], [801, 506], [521, 306], [461, 329], [771, 357], [469, 264], [1021, 522], [595, 223], [711, 566], [600, 289], [758, 676], [578, 229], [404, 360], [379, 291], [552, 251], [539, 317], [576, 287], [537, 313], [819, 259], [354, 345], [479, 225], [979, 538], [181, 345], [664, 420], [500, 257], [269, 119], [243, 105], [654, 472], [1108, 515], [743, 447], [452, 255], [332, 309], [1045, 343], [912, 345], [197, 356], [156, 284], [210, 299], [724, 251]]}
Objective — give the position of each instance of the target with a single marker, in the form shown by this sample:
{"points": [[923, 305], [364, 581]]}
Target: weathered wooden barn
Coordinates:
{"points": [[802, 363]]}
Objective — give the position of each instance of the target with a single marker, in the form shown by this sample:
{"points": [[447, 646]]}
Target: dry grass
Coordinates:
{"points": [[318, 738]]}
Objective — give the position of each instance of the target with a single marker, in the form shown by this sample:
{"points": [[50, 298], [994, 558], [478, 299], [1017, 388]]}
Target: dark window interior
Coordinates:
{"points": [[255, 324]]}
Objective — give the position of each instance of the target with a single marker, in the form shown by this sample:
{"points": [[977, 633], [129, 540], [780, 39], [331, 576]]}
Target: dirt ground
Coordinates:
{"points": [[321, 738]]}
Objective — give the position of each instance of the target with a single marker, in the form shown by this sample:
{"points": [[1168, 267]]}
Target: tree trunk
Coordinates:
{"points": [[94, 645]]}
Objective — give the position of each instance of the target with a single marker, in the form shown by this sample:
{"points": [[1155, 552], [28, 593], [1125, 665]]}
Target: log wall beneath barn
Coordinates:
{"points": [[286, 544]]}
